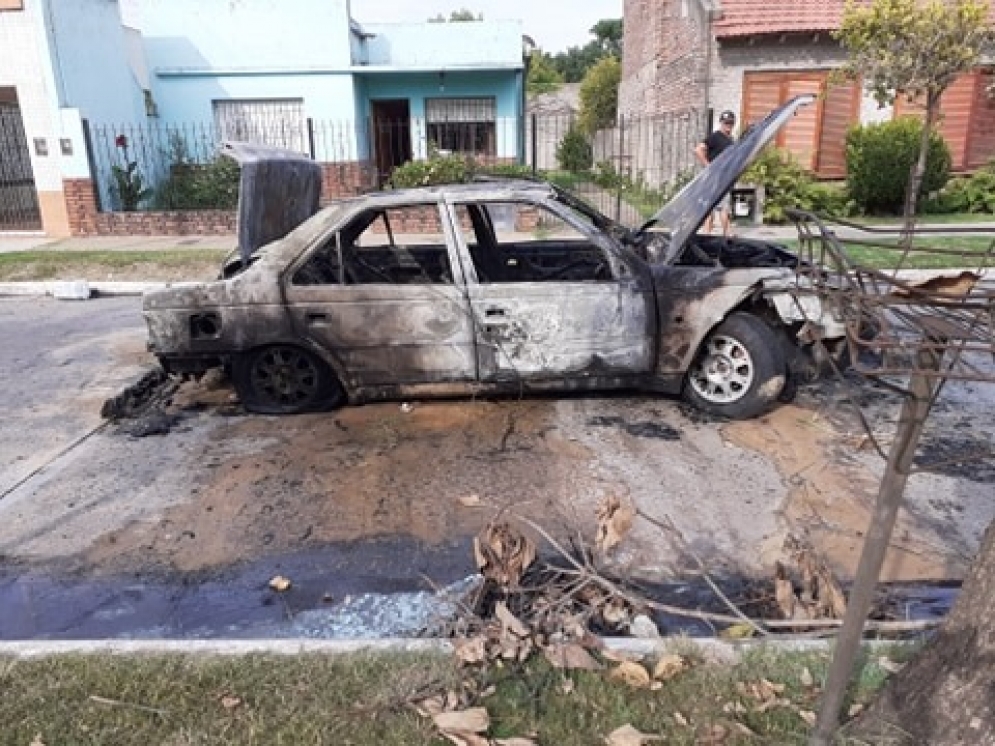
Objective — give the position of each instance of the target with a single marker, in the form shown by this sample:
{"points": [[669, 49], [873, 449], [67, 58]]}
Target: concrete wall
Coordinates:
{"points": [[200, 50], [483, 44], [90, 60]]}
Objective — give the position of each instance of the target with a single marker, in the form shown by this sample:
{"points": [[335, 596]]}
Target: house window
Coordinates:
{"points": [[276, 122], [462, 125]]}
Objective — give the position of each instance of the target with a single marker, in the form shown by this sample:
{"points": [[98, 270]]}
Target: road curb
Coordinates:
{"points": [[97, 289], [712, 649]]}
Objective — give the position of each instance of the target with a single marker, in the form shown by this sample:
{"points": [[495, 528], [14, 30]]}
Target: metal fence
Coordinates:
{"points": [[19, 210], [627, 169]]}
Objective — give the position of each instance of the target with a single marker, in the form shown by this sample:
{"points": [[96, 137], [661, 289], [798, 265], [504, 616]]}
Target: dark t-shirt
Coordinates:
{"points": [[715, 143]]}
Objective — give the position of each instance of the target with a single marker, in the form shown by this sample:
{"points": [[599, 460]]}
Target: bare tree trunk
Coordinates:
{"points": [[946, 695], [919, 167]]}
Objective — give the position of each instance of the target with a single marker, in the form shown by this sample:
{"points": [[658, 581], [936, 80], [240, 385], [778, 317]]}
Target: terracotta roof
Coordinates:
{"points": [[756, 17]]}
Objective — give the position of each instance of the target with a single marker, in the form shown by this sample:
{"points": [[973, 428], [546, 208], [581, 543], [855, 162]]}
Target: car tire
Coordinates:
{"points": [[285, 379], [740, 370]]}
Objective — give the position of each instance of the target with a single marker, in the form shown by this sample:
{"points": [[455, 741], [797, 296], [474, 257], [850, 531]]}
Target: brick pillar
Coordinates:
{"points": [[81, 206]]}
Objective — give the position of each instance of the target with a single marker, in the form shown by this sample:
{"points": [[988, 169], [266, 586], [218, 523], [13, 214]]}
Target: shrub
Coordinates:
{"points": [[975, 193], [788, 184], [451, 168], [879, 158], [198, 186], [574, 153]]}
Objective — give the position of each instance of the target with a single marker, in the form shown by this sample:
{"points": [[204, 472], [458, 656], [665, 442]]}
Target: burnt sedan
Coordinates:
{"points": [[491, 287]]}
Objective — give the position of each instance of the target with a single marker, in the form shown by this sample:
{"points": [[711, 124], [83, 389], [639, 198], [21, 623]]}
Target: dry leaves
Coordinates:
{"points": [[614, 522], [463, 727], [669, 666], [632, 674], [570, 657], [629, 736], [279, 583], [819, 595], [503, 553]]}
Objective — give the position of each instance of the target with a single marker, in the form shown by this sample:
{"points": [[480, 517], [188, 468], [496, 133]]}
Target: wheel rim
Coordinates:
{"points": [[724, 371], [286, 377]]}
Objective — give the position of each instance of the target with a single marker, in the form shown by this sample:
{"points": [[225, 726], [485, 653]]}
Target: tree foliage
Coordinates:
{"points": [[458, 16], [543, 77], [599, 95], [913, 48], [574, 63]]}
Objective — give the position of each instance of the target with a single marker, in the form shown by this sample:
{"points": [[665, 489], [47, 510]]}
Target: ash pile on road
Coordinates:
{"points": [[141, 408]]}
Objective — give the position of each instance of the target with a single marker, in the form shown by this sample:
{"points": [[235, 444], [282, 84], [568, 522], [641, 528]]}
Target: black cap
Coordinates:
{"points": [[727, 116]]}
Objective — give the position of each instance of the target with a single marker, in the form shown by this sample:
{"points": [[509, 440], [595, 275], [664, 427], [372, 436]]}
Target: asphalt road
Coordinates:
{"points": [[60, 360], [102, 533]]}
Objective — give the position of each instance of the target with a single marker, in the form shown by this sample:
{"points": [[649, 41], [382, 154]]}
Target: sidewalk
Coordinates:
{"points": [[10, 243]]}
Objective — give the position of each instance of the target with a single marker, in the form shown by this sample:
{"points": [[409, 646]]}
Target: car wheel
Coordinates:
{"points": [[284, 379], [739, 371]]}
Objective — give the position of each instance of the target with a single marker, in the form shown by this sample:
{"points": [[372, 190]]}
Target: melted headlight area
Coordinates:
{"points": [[205, 325]]}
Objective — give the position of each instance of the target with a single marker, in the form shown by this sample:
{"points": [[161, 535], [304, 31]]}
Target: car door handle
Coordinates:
{"points": [[495, 312], [316, 318]]}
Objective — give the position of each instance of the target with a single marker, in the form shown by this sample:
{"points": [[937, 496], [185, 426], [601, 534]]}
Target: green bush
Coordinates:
{"points": [[787, 184], [451, 168], [574, 153], [197, 186], [879, 158], [975, 193], [507, 170]]}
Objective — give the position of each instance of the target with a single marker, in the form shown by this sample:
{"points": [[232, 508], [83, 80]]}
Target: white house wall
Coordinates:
{"points": [[25, 66]]}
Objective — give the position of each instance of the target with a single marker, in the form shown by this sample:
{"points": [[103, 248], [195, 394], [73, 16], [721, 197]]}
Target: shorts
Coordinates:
{"points": [[725, 203]]}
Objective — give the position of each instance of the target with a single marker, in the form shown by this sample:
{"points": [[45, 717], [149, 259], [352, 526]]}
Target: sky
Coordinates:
{"points": [[554, 24]]}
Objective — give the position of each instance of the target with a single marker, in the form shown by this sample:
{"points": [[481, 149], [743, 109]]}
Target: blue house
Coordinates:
{"points": [[305, 75], [302, 74]]}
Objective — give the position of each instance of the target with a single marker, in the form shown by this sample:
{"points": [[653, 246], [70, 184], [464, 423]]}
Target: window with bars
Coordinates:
{"points": [[276, 122], [463, 125]]}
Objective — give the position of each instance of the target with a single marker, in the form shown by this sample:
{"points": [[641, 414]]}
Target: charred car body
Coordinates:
{"points": [[489, 287]]}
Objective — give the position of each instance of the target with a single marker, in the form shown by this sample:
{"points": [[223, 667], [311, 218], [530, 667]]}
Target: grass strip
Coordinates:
{"points": [[53, 264], [365, 699]]}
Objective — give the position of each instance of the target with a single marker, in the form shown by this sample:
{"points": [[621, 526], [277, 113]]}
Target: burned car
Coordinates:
{"points": [[488, 287]]}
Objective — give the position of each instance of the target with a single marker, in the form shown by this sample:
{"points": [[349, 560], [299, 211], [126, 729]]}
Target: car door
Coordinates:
{"points": [[385, 294], [550, 298]]}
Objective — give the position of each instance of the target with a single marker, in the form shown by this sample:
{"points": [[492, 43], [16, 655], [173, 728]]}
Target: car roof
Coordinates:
{"points": [[481, 188]]}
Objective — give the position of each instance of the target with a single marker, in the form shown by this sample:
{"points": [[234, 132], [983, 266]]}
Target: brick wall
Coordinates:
{"points": [[186, 223], [81, 206], [339, 180], [664, 65]]}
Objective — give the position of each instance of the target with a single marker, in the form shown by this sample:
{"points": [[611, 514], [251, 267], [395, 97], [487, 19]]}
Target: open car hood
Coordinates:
{"points": [[685, 213], [278, 190]]}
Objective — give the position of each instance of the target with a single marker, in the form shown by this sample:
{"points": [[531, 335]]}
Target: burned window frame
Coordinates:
{"points": [[609, 257], [353, 271]]}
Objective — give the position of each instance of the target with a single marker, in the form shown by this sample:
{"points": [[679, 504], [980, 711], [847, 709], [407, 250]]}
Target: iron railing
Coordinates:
{"points": [[629, 170]]}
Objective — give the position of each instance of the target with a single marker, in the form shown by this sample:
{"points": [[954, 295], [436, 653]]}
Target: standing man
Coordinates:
{"points": [[707, 151]]}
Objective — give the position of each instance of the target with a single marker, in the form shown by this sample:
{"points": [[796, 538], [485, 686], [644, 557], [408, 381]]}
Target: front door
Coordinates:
{"points": [[549, 300], [386, 297], [18, 198], [391, 125]]}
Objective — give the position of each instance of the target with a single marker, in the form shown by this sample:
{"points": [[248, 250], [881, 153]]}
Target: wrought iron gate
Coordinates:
{"points": [[18, 197]]}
